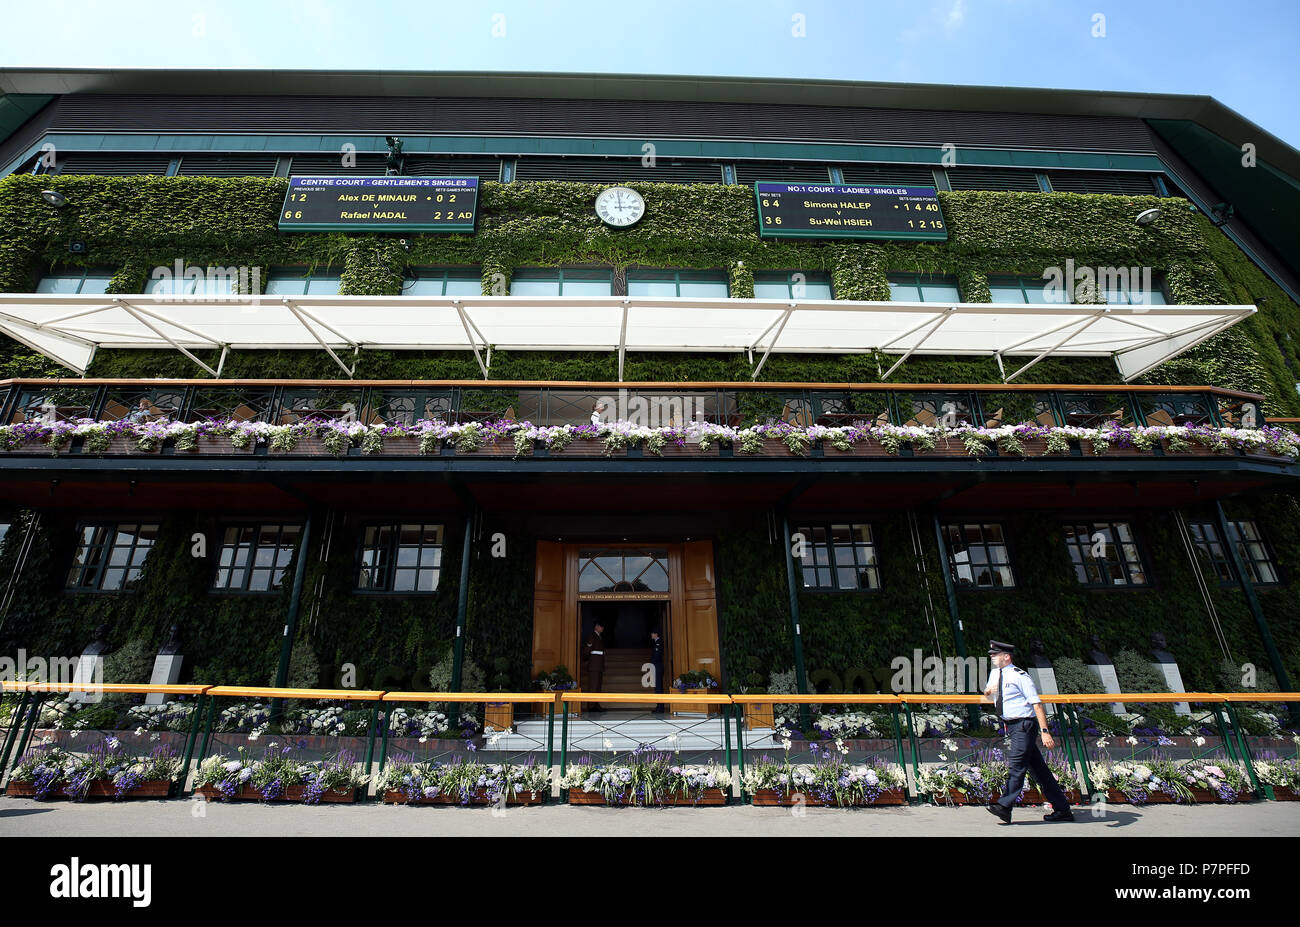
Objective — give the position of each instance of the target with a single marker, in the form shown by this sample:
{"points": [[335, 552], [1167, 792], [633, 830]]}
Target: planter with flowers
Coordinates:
{"points": [[279, 776], [1281, 777], [648, 779], [107, 770], [695, 682], [831, 781], [557, 680], [406, 781], [1157, 780]]}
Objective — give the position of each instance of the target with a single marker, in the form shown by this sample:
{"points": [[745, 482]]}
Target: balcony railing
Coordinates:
{"points": [[551, 404]]}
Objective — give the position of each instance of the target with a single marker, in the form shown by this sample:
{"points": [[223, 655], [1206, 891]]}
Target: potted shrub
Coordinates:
{"points": [[696, 682], [557, 680], [499, 716]]}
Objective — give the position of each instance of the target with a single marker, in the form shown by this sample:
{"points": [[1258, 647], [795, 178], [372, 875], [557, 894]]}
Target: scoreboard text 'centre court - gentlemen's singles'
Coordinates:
{"points": [[380, 204], [828, 210]]}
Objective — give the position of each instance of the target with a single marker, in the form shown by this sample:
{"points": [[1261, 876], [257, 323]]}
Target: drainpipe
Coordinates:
{"points": [[1252, 601], [958, 637], [801, 674]]}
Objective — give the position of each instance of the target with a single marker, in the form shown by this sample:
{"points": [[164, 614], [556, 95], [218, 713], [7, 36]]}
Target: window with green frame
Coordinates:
{"points": [[110, 556], [1124, 288], [561, 281], [254, 557], [667, 282], [405, 558], [796, 284], [839, 556], [297, 281], [1105, 554], [923, 288], [78, 280], [443, 281], [1011, 289], [978, 556], [1254, 553]]}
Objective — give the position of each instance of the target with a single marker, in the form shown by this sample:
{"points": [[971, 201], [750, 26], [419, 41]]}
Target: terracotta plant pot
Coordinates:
{"points": [[100, 788], [711, 797], [392, 797], [775, 798]]}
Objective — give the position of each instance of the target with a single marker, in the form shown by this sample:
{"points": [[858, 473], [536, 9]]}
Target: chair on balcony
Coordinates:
{"points": [[1045, 418], [1160, 417], [995, 421], [922, 417], [796, 416]]}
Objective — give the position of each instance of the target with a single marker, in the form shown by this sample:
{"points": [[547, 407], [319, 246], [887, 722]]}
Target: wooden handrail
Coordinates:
{"points": [[349, 695], [609, 385], [852, 698], [632, 697], [486, 697], [110, 687], [1101, 698]]}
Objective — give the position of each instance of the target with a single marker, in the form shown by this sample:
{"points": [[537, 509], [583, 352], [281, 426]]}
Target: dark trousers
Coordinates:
{"points": [[659, 686], [1023, 755], [595, 672]]}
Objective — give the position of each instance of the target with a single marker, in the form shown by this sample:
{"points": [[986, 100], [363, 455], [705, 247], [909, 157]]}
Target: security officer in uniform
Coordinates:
{"points": [[657, 663], [1018, 705], [595, 648]]}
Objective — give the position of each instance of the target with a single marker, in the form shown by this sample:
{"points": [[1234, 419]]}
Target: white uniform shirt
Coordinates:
{"points": [[1019, 696]]}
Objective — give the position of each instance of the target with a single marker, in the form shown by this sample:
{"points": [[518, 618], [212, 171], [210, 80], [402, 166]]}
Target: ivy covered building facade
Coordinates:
{"points": [[330, 456]]}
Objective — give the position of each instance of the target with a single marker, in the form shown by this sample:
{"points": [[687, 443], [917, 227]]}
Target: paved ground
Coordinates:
{"points": [[25, 817]]}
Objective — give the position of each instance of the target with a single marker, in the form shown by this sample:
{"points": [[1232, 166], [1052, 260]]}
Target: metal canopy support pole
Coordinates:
{"points": [[1096, 317], [295, 607], [924, 338], [775, 338], [15, 721], [622, 342], [1252, 601], [958, 637], [801, 674], [302, 320], [153, 328], [195, 718], [473, 342]]}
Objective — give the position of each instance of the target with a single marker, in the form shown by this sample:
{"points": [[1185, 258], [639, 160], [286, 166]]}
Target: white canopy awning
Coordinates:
{"points": [[68, 329]]}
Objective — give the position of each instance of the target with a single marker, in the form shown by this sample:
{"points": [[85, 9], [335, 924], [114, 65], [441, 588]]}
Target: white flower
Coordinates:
{"points": [[1199, 741], [1132, 741]]}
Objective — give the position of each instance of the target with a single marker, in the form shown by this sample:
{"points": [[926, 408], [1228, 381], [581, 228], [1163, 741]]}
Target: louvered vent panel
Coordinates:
{"points": [[117, 165], [748, 172], [434, 166], [1120, 184], [618, 170], [227, 166], [992, 178], [367, 165], [899, 175]]}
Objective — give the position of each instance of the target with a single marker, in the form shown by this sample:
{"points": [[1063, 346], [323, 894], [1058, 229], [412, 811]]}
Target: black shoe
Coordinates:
{"points": [[1000, 812], [1066, 815]]}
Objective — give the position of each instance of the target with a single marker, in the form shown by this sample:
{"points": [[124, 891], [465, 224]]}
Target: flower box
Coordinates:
{"points": [[294, 793], [586, 447], [1115, 449], [759, 717], [1283, 793], [774, 798], [856, 449], [210, 444], [955, 797], [1157, 797], [954, 447], [100, 788], [401, 446], [1190, 450], [125, 444], [1034, 447], [394, 797], [307, 446], [689, 449], [712, 797], [1034, 797], [502, 448]]}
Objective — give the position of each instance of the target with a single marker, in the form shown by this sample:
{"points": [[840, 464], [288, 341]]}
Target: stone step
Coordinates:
{"points": [[693, 734]]}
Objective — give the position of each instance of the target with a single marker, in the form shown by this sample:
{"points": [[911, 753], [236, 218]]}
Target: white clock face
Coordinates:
{"points": [[620, 207]]}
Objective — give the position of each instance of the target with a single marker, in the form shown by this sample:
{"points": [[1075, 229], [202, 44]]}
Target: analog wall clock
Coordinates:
{"points": [[620, 207]]}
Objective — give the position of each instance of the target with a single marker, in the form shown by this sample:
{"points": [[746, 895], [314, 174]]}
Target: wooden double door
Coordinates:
{"points": [[689, 627]]}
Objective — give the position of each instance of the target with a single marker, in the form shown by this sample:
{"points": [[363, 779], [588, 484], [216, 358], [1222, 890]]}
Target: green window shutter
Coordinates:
{"points": [[367, 165], [227, 166], [619, 170], [992, 178], [748, 172], [1118, 184], [113, 165], [441, 166], [890, 175]]}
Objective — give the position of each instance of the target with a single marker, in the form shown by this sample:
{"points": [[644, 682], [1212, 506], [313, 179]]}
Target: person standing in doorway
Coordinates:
{"points": [[657, 665], [595, 649], [1012, 690]]}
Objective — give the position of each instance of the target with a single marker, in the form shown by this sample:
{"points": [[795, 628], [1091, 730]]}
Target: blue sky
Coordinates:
{"points": [[1242, 53]]}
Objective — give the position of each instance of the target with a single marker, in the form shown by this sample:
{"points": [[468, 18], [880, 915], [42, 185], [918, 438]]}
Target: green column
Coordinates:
{"points": [[1252, 601], [295, 606], [801, 674], [462, 606], [959, 638]]}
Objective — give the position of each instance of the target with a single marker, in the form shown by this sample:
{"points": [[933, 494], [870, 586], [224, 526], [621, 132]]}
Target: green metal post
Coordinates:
{"points": [[196, 719], [1248, 590], [383, 752], [1222, 724], [958, 635], [32, 717], [740, 747], [801, 673], [462, 606], [1244, 746], [911, 738], [11, 734], [295, 607], [898, 742], [1084, 763], [564, 741], [726, 734], [370, 742], [550, 744], [207, 730]]}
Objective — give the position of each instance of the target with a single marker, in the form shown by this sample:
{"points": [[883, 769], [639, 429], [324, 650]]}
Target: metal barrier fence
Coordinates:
{"points": [[630, 748]]}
